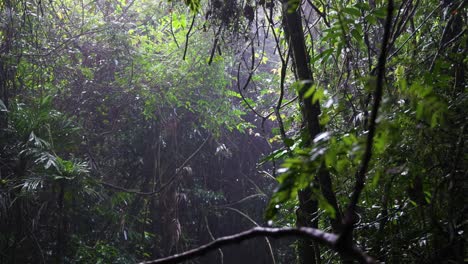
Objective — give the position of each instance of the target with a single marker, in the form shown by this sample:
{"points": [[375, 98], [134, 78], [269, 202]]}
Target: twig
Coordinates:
{"points": [[221, 254], [402, 23], [321, 14], [414, 33], [215, 44], [361, 174], [244, 86], [282, 106], [243, 199], [324, 238], [174, 37], [284, 65], [188, 35], [270, 248], [441, 43]]}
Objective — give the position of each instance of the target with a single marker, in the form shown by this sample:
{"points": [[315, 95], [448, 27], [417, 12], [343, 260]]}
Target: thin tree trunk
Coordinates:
{"points": [[61, 226]]}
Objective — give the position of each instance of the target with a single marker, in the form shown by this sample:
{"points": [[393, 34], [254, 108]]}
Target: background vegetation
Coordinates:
{"points": [[134, 130]]}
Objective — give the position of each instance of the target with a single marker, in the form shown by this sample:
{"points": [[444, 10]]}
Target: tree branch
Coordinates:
{"points": [[187, 36], [324, 238], [361, 173], [174, 37], [415, 31]]}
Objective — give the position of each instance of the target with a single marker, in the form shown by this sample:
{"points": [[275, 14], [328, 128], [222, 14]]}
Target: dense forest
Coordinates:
{"points": [[233, 131]]}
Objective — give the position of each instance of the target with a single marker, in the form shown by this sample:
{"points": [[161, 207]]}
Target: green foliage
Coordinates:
{"points": [[103, 100], [100, 253], [420, 119]]}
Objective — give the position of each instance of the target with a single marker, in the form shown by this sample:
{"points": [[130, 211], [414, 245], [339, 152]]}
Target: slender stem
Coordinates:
{"points": [[361, 174], [187, 36]]}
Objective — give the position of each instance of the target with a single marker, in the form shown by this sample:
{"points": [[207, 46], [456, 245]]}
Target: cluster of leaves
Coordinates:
{"points": [[420, 127], [38, 164], [126, 91]]}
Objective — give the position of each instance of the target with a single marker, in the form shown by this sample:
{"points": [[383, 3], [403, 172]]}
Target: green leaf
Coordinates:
{"points": [[380, 141], [194, 5], [318, 95], [288, 142], [46, 101], [371, 19], [437, 118], [275, 155], [352, 11], [363, 6], [310, 91], [233, 94], [325, 205], [381, 12], [375, 179], [293, 5], [356, 35]]}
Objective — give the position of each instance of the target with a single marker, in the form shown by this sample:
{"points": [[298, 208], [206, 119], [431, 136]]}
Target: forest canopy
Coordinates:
{"points": [[240, 131]]}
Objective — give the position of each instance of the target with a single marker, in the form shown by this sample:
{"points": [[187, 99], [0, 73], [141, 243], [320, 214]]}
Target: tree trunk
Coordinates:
{"points": [[61, 226]]}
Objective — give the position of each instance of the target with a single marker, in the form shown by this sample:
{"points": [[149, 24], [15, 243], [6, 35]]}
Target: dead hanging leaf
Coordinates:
{"points": [[223, 151], [188, 169]]}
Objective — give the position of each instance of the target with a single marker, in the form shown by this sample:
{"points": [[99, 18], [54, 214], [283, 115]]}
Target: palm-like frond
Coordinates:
{"points": [[32, 184]]}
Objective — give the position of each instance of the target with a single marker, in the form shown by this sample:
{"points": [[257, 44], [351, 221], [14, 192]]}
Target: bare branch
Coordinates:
{"points": [[243, 88], [221, 254], [187, 36], [321, 14], [174, 37], [324, 238], [414, 33]]}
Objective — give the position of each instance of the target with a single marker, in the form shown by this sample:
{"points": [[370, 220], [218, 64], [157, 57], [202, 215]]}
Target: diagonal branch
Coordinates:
{"points": [[324, 238], [187, 36], [361, 173]]}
